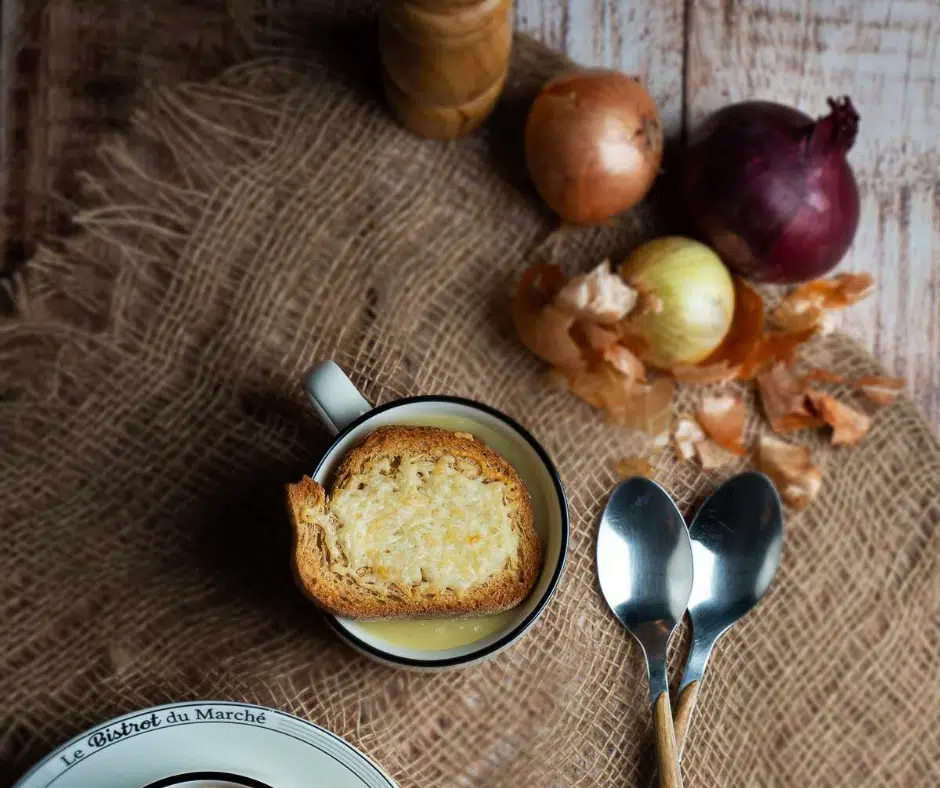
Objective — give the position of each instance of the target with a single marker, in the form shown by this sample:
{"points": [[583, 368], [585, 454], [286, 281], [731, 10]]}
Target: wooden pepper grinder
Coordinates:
{"points": [[444, 62]]}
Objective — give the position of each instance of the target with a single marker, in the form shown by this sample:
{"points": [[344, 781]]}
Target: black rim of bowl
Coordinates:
{"points": [[237, 779], [547, 595]]}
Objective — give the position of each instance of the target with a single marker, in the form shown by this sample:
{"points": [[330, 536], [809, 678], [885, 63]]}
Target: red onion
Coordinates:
{"points": [[771, 190]]}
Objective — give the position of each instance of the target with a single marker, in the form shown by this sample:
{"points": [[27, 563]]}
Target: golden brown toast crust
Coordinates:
{"points": [[342, 596]]}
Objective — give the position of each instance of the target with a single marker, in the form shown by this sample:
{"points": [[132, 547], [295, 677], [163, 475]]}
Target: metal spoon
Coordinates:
{"points": [[737, 540], [644, 566]]}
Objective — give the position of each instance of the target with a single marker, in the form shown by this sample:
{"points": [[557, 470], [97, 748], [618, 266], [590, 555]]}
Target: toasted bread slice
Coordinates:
{"points": [[419, 523]]}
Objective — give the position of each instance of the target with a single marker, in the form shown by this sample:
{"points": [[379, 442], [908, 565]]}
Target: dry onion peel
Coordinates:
{"points": [[592, 359], [692, 441], [605, 345], [807, 306], [648, 303], [797, 315], [602, 386], [722, 417], [880, 390], [543, 328], [636, 344], [634, 466], [660, 441], [783, 398], [711, 455], [740, 343], [625, 363], [722, 372], [775, 347], [563, 321], [747, 348], [594, 337], [818, 375], [650, 407], [627, 401], [792, 470], [849, 426], [599, 296], [687, 434]]}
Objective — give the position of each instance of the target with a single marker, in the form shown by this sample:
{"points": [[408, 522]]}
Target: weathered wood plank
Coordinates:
{"points": [[885, 55], [644, 39]]}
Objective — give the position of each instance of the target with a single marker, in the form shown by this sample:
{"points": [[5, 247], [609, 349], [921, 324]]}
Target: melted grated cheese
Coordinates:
{"points": [[433, 525]]}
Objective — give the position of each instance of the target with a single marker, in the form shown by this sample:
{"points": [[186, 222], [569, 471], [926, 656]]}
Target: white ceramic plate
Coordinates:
{"points": [[207, 745]]}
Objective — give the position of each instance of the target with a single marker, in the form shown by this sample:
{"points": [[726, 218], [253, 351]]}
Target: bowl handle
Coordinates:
{"points": [[336, 400]]}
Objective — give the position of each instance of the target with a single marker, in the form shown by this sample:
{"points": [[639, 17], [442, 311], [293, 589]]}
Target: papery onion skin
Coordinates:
{"points": [[593, 144], [696, 294], [771, 190]]}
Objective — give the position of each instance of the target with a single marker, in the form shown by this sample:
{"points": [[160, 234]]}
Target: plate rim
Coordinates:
{"points": [[23, 781]]}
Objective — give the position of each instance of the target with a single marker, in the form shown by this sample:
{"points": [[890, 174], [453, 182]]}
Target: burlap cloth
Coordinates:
{"points": [[150, 410]]}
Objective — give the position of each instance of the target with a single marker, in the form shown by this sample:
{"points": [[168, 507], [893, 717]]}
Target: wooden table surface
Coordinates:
{"points": [[697, 55]]}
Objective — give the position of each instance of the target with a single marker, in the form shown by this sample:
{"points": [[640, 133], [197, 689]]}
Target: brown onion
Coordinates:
{"points": [[593, 144]]}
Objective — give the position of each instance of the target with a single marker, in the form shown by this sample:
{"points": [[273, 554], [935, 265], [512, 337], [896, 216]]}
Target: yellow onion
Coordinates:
{"points": [[686, 300], [593, 144]]}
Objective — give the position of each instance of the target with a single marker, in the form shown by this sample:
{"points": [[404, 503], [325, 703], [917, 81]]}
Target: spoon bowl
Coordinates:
{"points": [[644, 568], [737, 543]]}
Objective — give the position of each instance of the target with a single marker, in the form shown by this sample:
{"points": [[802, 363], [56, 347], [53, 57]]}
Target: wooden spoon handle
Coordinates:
{"points": [[684, 708], [667, 754]]}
